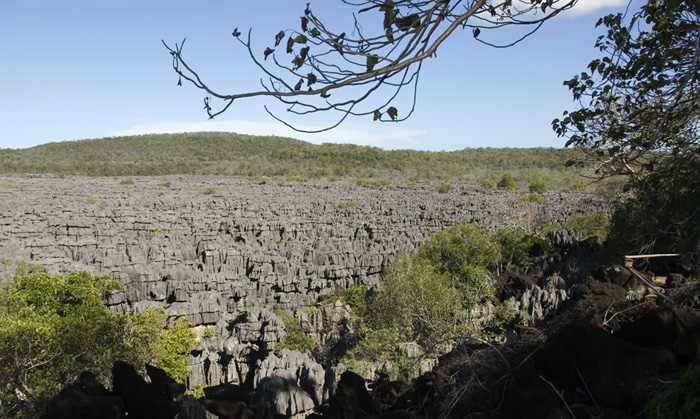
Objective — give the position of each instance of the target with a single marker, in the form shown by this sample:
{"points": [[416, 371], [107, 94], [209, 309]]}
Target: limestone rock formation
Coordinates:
{"points": [[229, 260]]}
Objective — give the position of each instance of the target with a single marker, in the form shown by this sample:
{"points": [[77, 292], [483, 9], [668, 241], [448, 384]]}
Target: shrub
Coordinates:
{"points": [[488, 184], [165, 184], [347, 204], [54, 327], [592, 225], [355, 298], [127, 181], [515, 246], [209, 190], [533, 197], [419, 302], [461, 246], [295, 339], [538, 186], [296, 178], [444, 187], [579, 186], [504, 315], [507, 183], [680, 400]]}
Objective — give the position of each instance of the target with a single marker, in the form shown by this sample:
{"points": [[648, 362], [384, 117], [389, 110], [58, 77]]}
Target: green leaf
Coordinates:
{"points": [[372, 60], [311, 79], [315, 32], [301, 39], [393, 113], [279, 37], [297, 62], [304, 53], [377, 115]]}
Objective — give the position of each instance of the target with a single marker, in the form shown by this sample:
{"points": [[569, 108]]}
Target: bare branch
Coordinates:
{"points": [[319, 62]]}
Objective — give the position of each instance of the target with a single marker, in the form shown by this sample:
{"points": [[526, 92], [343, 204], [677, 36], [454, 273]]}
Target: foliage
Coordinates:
{"points": [[355, 297], [532, 197], [295, 339], [488, 184], [663, 214], [419, 302], [456, 249], [165, 184], [593, 225], [378, 348], [54, 327], [507, 183], [680, 400], [347, 204], [296, 178], [504, 315], [538, 186], [209, 190], [197, 391], [128, 181], [444, 187], [639, 114], [262, 158], [515, 246], [428, 297]]}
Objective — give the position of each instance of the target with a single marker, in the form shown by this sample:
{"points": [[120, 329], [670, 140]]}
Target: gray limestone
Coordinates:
{"points": [[227, 261]]}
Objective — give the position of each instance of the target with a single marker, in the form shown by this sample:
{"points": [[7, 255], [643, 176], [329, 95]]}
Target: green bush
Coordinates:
{"points": [[419, 302], [507, 183], [488, 184], [538, 186], [444, 187], [295, 339], [296, 178], [579, 186], [515, 246], [461, 246], [679, 401], [127, 181], [165, 184], [533, 197], [504, 315], [347, 204], [355, 298], [54, 327], [209, 190], [592, 225]]}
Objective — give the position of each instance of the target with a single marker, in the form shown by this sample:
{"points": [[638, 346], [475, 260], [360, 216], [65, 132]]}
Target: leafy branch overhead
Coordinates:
{"points": [[640, 102], [321, 69]]}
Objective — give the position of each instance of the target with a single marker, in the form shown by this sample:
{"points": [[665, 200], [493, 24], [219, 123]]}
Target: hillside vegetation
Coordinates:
{"points": [[217, 153]]}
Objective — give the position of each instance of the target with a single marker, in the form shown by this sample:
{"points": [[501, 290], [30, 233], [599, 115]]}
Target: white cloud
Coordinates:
{"points": [[584, 7], [379, 136]]}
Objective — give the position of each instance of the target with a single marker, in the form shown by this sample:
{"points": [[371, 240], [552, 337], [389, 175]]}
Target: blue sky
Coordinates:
{"points": [[90, 69]]}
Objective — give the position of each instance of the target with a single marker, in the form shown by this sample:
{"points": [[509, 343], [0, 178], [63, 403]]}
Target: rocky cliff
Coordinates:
{"points": [[228, 260]]}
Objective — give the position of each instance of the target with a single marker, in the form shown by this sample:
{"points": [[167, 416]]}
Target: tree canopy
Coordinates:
{"points": [[319, 68], [638, 117], [52, 328]]}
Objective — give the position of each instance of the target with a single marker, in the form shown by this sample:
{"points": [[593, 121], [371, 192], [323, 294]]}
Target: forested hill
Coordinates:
{"points": [[245, 155]]}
